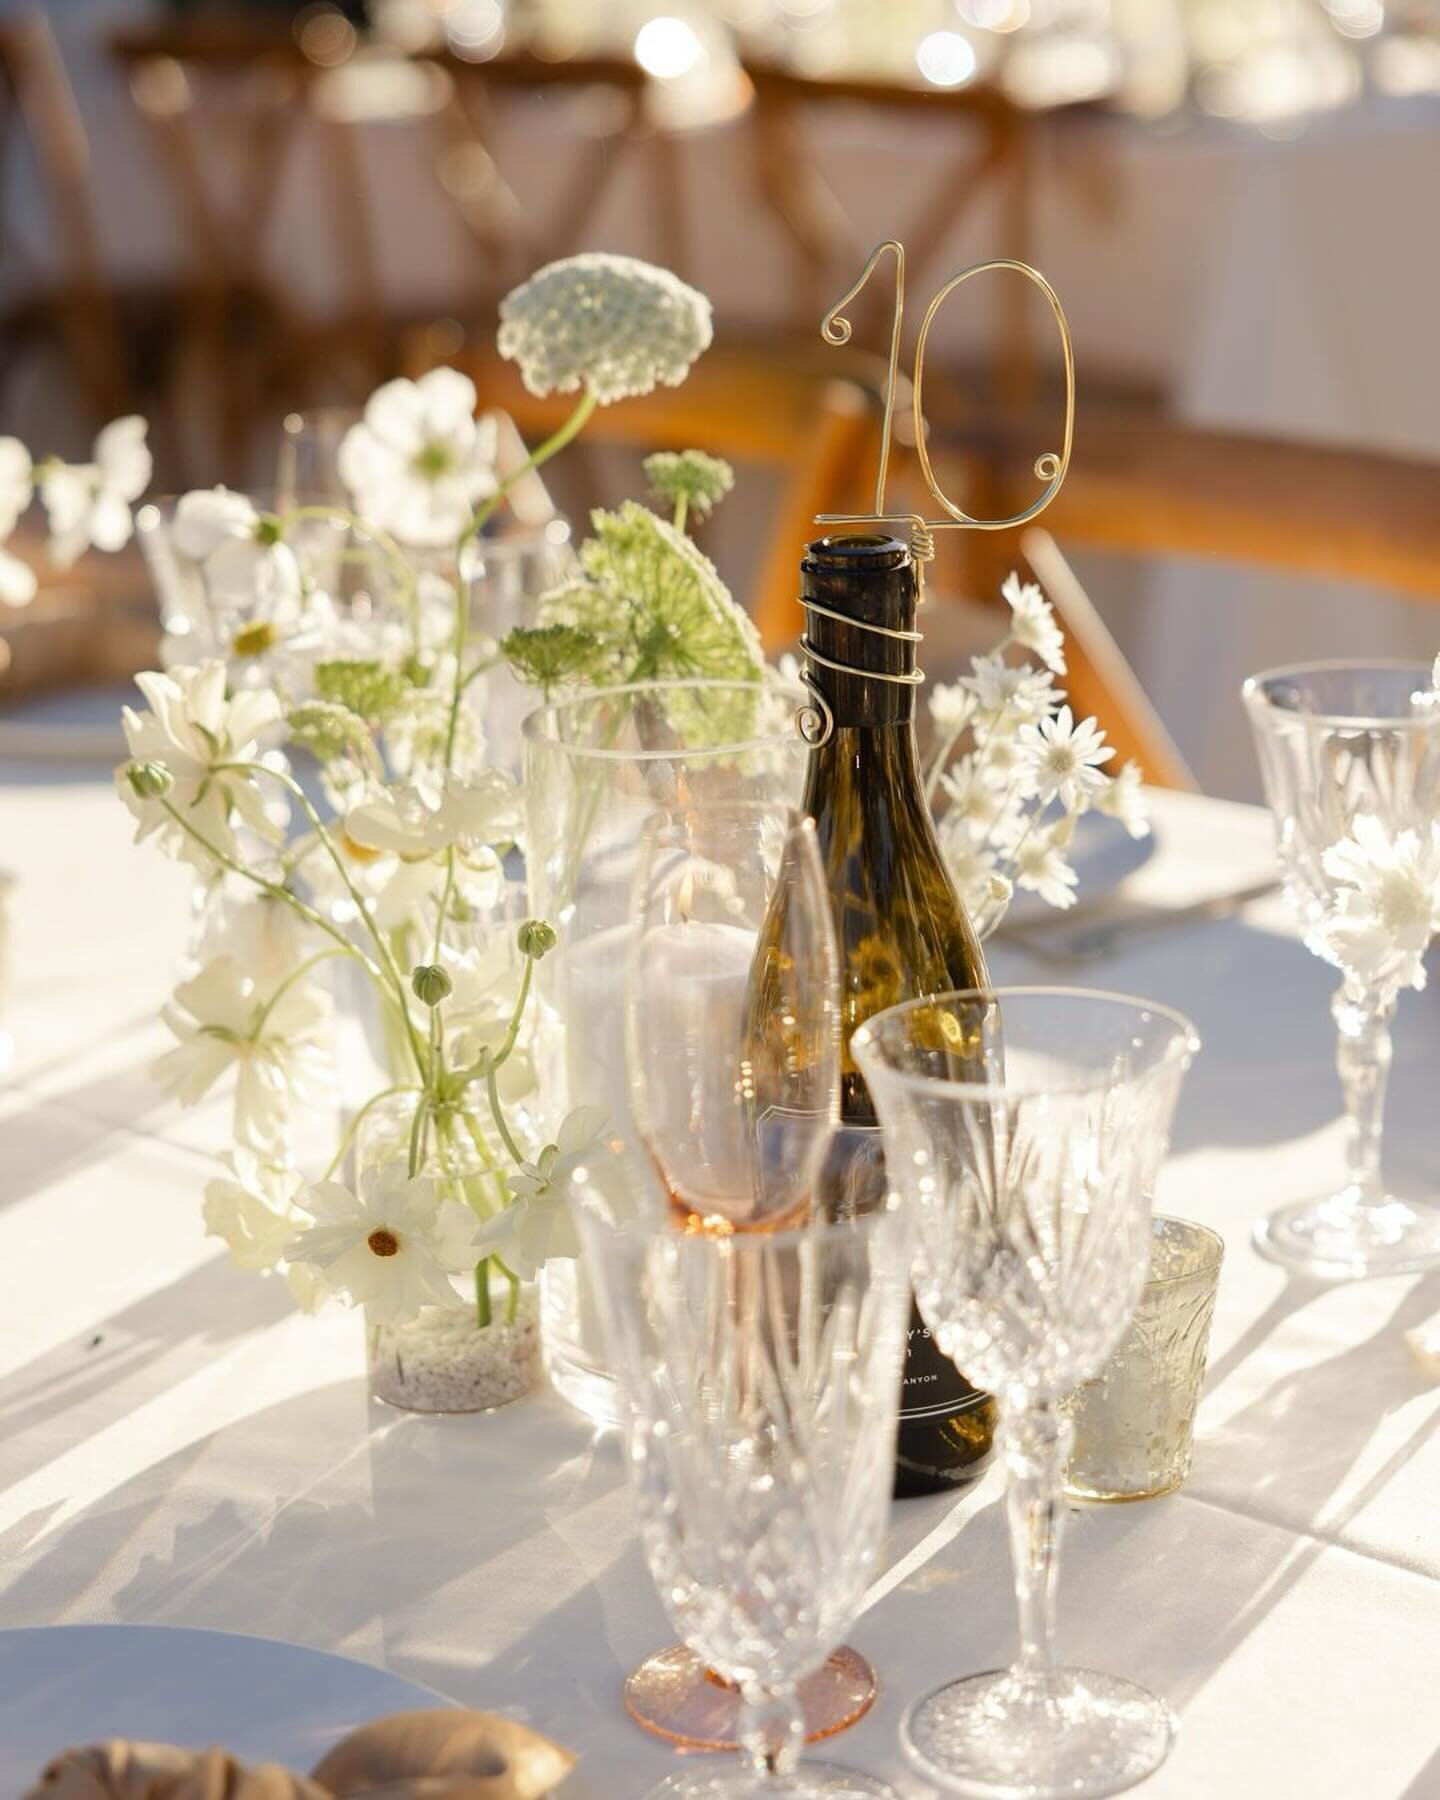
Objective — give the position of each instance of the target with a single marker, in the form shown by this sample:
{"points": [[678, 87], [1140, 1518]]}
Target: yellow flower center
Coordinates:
{"points": [[255, 639], [383, 1242], [360, 853]]}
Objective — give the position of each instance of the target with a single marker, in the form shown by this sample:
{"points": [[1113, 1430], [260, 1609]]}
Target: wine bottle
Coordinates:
{"points": [[901, 927]]}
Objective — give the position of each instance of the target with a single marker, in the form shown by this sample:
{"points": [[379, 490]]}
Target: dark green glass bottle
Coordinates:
{"points": [[901, 927]]}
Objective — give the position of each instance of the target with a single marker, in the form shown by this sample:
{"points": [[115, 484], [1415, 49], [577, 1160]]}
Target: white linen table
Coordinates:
{"points": [[179, 1447]]}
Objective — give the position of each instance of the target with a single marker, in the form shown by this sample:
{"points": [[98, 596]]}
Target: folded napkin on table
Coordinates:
{"points": [[449, 1755]]}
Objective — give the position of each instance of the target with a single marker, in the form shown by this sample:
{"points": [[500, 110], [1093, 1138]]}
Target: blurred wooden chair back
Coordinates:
{"points": [[1144, 486], [58, 291], [811, 434]]}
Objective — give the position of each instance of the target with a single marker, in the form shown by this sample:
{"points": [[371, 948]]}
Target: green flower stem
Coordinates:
{"points": [[417, 1136], [483, 1151], [682, 506], [512, 1033], [542, 453], [289, 783], [482, 1292], [276, 892], [497, 1113], [445, 896], [512, 1305], [295, 976], [348, 1135]]}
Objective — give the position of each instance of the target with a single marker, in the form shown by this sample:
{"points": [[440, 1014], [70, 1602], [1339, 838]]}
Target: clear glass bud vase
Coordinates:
{"points": [[483, 1350]]}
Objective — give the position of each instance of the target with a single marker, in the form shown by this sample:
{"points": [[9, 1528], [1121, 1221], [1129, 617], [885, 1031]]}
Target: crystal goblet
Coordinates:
{"points": [[759, 1373], [1341, 742], [1024, 1127]]}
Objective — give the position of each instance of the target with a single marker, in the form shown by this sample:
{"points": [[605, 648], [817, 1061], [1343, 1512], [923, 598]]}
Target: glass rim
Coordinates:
{"points": [[661, 1227], [1214, 1243], [532, 726], [1184, 1046], [1253, 693], [163, 505]]}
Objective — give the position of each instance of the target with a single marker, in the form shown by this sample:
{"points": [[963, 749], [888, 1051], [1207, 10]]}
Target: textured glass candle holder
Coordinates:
{"points": [[1135, 1422]]}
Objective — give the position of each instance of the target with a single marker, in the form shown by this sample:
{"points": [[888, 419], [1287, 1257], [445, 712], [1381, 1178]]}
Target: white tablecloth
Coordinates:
{"points": [[177, 1446]]}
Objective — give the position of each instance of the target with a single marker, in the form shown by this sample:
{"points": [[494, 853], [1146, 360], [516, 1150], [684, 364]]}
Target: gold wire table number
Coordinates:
{"points": [[815, 722]]}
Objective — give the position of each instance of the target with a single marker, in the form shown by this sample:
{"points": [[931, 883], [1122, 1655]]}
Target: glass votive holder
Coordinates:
{"points": [[1135, 1422]]}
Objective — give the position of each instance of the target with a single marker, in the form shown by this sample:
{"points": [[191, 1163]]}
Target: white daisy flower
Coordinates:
{"points": [[419, 459], [89, 503], [1387, 907], [1123, 798], [952, 707], [1032, 622], [612, 324], [1064, 759], [972, 861], [189, 729], [538, 1225], [1041, 866], [973, 792], [1008, 694], [391, 1248], [275, 1048]]}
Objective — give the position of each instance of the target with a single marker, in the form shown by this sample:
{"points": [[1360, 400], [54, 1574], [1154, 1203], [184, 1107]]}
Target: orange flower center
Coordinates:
{"points": [[383, 1242]]}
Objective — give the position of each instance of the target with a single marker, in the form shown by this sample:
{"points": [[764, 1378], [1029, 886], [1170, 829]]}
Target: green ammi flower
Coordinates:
{"points": [[690, 478], [650, 593]]}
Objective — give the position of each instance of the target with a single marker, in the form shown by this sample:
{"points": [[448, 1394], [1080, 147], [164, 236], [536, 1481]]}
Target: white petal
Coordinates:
{"points": [[395, 413], [17, 581], [123, 456]]}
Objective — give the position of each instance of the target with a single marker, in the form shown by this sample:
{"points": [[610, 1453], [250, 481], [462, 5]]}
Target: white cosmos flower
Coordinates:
{"points": [[612, 324], [264, 935], [189, 729], [1032, 622], [251, 1211], [390, 1248], [1041, 865], [1123, 798], [419, 459], [247, 564], [17, 578], [276, 1048], [1387, 908], [1064, 759], [538, 1225], [89, 503], [485, 810]]}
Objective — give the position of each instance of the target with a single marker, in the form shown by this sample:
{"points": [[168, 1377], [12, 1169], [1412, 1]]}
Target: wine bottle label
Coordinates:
{"points": [[853, 1182]]}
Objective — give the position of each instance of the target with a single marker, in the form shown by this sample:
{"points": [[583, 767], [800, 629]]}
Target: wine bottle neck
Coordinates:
{"points": [[859, 596]]}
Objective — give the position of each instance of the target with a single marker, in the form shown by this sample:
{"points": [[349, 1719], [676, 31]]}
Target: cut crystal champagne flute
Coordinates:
{"points": [[1340, 743], [732, 1021], [759, 1373], [1024, 1127]]}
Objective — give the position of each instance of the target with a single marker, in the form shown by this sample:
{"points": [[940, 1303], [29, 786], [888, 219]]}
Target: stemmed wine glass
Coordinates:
{"points": [[760, 1376], [1025, 1127], [1337, 743], [733, 1051]]}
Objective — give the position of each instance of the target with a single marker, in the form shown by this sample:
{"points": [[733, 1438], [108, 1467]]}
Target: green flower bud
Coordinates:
{"points": [[431, 984], [150, 780], [536, 938]]}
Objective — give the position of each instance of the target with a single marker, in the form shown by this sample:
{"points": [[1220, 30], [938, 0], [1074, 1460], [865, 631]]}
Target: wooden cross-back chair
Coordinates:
{"points": [[1143, 486], [811, 434], [68, 301]]}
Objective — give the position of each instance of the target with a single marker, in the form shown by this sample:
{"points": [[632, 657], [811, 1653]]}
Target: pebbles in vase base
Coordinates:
{"points": [[443, 1362]]}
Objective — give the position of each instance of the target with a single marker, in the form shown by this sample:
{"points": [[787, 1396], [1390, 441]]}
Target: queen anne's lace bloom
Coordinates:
{"points": [[611, 324]]}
